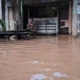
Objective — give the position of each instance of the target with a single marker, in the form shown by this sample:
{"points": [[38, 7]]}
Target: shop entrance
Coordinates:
{"points": [[45, 18], [49, 18]]}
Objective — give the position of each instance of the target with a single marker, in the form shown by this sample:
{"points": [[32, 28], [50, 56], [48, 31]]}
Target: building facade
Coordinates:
{"points": [[16, 13]]}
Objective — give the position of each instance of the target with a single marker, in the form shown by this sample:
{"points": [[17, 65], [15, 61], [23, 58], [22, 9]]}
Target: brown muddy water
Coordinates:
{"points": [[44, 58]]}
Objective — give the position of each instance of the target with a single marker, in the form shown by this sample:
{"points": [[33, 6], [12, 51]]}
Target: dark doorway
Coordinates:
{"points": [[45, 18], [25, 17], [63, 17]]}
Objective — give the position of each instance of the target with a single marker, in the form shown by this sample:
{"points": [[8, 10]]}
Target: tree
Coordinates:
{"points": [[3, 25]]}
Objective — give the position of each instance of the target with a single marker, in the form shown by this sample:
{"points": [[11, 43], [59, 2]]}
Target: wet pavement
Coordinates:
{"points": [[44, 58]]}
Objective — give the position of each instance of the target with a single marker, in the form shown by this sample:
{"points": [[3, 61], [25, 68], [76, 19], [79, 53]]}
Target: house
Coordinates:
{"points": [[64, 13]]}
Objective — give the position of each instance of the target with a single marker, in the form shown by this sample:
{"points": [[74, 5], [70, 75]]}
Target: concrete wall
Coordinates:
{"points": [[9, 21], [74, 18]]}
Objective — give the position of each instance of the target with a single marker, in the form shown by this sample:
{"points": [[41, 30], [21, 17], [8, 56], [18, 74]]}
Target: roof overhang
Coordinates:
{"points": [[34, 2]]}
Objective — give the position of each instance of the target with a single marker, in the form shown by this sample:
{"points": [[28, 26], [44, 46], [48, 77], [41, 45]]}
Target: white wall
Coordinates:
{"points": [[11, 21], [9, 17]]}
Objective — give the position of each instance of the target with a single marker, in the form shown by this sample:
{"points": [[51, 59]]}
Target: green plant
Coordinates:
{"points": [[3, 25]]}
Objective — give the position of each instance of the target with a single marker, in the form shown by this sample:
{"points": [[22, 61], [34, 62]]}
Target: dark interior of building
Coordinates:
{"points": [[38, 12], [63, 15], [59, 10]]}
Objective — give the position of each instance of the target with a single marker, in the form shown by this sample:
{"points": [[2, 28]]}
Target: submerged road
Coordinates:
{"points": [[44, 58]]}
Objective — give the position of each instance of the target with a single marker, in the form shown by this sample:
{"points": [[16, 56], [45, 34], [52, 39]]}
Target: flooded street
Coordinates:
{"points": [[44, 58]]}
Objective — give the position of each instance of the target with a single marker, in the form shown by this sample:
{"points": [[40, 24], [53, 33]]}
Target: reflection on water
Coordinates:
{"points": [[47, 69], [42, 63], [42, 76], [44, 58], [38, 77], [58, 74], [35, 62]]}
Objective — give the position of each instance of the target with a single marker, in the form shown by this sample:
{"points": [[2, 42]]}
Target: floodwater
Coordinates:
{"points": [[44, 58]]}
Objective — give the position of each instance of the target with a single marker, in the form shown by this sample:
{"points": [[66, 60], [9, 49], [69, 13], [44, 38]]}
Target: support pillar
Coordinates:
{"points": [[70, 17], [74, 19], [0, 13], [21, 10], [18, 15], [0, 9], [6, 16]]}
